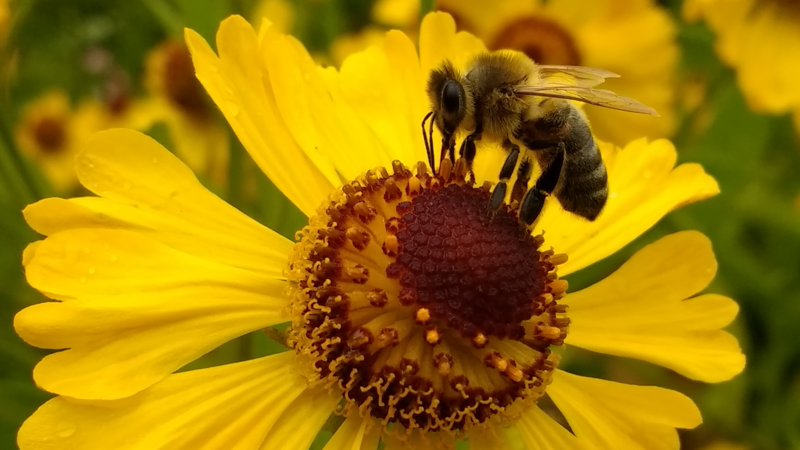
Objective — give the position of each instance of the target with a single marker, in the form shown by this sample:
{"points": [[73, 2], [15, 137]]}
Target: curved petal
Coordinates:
{"points": [[609, 415], [317, 114], [355, 434], [239, 83], [226, 407], [134, 310], [643, 187], [639, 311], [388, 110], [145, 188], [299, 424], [436, 35], [540, 432]]}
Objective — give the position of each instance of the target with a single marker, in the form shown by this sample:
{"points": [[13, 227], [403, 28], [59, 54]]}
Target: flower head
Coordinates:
{"points": [[760, 39], [598, 34], [413, 314]]}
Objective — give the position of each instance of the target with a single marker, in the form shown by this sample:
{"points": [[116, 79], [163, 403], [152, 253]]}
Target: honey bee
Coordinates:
{"points": [[506, 98]]}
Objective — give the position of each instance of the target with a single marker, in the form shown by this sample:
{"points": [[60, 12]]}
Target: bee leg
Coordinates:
{"points": [[533, 202], [448, 146], [523, 177], [427, 137], [467, 151], [499, 191]]}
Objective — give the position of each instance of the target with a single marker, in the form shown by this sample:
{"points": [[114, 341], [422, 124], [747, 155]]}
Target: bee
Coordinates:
{"points": [[506, 98]]}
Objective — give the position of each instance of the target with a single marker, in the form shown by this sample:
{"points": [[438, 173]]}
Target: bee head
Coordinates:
{"points": [[448, 97]]}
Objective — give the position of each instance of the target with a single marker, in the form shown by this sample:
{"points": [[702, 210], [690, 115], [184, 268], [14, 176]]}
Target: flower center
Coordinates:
{"points": [[543, 40], [180, 83], [50, 134], [419, 308]]}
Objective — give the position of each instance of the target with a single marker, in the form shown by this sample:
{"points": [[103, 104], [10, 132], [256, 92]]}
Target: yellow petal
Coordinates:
{"points": [[393, 109], [465, 46], [540, 432], [407, 85], [609, 415], [238, 83], [226, 407], [355, 434], [147, 189], [299, 424], [134, 310], [639, 311], [315, 112], [436, 37], [643, 187]]}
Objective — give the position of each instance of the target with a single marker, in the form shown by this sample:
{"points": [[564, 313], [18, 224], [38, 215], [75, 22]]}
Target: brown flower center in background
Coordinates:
{"points": [[422, 310], [180, 83], [543, 40], [50, 134]]}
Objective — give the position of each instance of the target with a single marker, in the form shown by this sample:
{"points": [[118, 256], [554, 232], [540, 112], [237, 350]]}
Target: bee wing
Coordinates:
{"points": [[579, 75], [597, 97]]}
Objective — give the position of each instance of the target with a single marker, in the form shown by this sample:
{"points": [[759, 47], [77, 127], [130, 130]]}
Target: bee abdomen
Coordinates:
{"points": [[584, 188]]}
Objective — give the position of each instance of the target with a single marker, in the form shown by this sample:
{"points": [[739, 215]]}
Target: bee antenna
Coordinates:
{"points": [[427, 136]]}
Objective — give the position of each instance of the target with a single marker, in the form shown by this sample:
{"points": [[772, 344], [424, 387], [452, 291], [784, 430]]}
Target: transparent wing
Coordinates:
{"points": [[597, 97], [577, 75]]}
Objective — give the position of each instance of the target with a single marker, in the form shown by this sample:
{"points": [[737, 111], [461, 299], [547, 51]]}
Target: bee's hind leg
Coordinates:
{"points": [[521, 183], [532, 204], [499, 191]]}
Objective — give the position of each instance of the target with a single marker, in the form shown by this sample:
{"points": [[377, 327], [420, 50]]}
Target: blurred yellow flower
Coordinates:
{"points": [[634, 38], [46, 134], [177, 100], [410, 315], [760, 39]]}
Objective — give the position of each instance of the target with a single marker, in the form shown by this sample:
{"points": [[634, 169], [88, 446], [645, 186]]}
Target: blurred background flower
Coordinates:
{"points": [[723, 74]]}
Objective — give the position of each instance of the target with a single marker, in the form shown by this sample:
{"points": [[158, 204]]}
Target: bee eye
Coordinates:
{"points": [[451, 98]]}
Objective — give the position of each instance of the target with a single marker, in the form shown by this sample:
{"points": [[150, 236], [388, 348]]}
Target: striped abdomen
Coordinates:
{"points": [[584, 181]]}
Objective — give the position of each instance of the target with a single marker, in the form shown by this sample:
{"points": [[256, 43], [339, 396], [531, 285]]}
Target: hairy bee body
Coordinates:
{"points": [[507, 98]]}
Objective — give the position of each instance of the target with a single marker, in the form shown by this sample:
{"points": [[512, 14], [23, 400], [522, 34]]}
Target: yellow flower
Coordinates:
{"points": [[44, 133], [760, 39], [178, 100], [50, 133], [157, 271], [635, 39]]}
